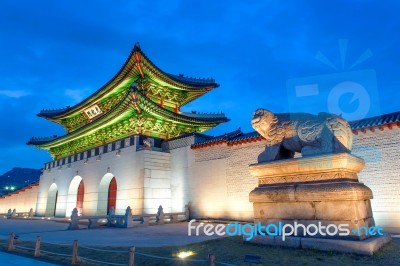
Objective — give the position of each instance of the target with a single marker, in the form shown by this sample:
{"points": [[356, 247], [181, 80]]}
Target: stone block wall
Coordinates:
{"points": [[22, 201], [157, 181], [127, 168], [239, 180], [181, 161], [214, 179], [381, 151], [379, 148], [223, 182]]}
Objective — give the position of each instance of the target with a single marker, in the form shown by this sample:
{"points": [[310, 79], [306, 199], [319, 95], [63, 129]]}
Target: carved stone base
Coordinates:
{"points": [[287, 193], [308, 169]]}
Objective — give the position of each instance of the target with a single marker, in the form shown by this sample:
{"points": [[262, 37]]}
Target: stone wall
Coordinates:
{"points": [[380, 150], [22, 201], [228, 197], [127, 168], [157, 181], [221, 182], [142, 177], [214, 179]]}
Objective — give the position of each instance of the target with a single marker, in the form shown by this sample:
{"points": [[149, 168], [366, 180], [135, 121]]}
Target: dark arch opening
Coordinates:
{"points": [[55, 204]]}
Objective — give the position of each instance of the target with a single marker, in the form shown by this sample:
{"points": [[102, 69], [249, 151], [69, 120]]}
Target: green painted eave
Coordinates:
{"points": [[130, 106]]}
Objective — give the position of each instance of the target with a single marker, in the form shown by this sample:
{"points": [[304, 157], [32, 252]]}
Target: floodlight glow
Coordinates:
{"points": [[185, 254]]}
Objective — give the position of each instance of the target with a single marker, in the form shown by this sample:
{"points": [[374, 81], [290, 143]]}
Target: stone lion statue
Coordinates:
{"points": [[309, 134]]}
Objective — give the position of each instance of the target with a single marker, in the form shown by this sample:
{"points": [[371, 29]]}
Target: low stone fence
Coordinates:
{"points": [[128, 220], [13, 214]]}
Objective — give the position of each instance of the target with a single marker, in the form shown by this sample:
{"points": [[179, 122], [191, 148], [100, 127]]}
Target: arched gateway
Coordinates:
{"points": [[51, 204], [75, 197], [107, 195]]}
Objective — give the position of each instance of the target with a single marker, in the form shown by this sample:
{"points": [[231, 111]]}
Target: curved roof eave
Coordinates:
{"points": [[114, 113]]}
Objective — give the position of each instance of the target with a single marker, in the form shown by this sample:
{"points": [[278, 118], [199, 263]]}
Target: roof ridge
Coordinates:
{"points": [[176, 78]]}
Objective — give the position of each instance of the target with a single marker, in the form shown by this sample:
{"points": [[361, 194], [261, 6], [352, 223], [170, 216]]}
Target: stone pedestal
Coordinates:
{"points": [[322, 189]]}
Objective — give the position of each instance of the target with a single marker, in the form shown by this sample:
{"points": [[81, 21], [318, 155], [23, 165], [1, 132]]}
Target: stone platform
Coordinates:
{"points": [[320, 190], [310, 190]]}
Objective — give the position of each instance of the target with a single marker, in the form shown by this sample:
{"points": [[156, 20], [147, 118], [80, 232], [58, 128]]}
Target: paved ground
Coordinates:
{"points": [[146, 236], [10, 259]]}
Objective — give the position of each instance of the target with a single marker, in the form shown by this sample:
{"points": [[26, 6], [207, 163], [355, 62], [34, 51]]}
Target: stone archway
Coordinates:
{"points": [[107, 195], [75, 196], [51, 204]]}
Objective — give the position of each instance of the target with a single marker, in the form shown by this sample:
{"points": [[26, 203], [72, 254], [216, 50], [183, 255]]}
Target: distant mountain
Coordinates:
{"points": [[17, 178]]}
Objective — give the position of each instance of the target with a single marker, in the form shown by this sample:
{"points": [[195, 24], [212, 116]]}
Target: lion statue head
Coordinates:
{"points": [[264, 122]]}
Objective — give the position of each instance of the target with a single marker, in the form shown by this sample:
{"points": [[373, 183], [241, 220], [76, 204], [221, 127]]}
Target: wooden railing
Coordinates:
{"points": [[69, 253]]}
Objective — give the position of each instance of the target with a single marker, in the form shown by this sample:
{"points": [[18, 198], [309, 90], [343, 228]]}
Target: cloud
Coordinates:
{"points": [[251, 50], [78, 95], [14, 93]]}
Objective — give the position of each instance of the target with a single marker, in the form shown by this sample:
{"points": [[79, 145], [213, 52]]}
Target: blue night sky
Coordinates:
{"points": [[312, 56]]}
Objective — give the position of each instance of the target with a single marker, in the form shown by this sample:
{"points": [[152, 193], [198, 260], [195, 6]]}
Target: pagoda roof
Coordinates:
{"points": [[195, 82], [132, 104], [135, 67], [28, 186], [237, 137], [375, 121], [181, 81], [224, 138]]}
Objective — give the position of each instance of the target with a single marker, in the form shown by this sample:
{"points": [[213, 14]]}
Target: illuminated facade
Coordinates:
{"points": [[140, 99], [129, 144], [111, 155]]}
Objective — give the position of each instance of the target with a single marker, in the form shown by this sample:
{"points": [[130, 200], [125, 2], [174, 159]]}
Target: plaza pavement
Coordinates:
{"points": [[143, 236], [15, 260]]}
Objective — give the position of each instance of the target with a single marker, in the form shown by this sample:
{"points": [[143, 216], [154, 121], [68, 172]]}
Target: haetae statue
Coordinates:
{"points": [[309, 134]]}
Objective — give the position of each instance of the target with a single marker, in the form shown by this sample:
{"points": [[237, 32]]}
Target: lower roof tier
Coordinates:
{"points": [[135, 114]]}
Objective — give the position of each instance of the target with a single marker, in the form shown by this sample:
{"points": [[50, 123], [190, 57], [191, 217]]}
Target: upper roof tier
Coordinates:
{"points": [[170, 91]]}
